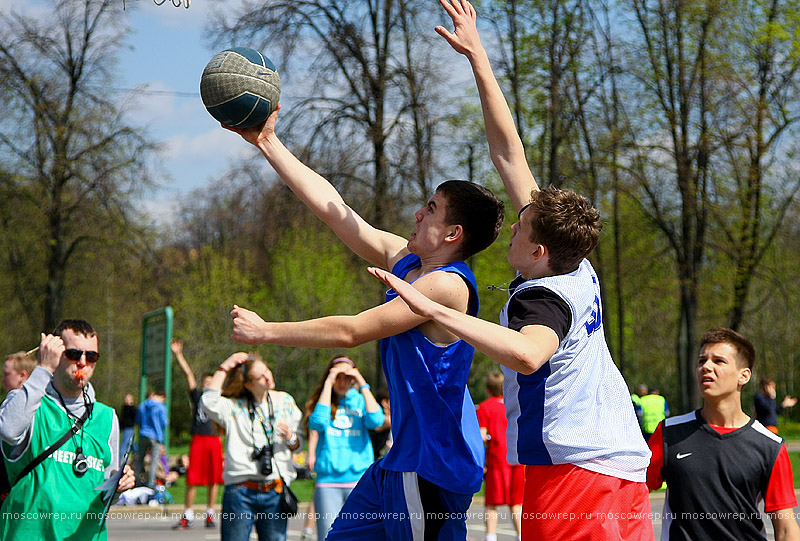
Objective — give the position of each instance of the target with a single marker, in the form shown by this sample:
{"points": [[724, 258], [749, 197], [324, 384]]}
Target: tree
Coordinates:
{"points": [[675, 82], [77, 164], [760, 112]]}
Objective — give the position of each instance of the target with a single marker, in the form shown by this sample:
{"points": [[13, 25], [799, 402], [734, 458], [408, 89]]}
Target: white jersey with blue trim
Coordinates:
{"points": [[576, 408]]}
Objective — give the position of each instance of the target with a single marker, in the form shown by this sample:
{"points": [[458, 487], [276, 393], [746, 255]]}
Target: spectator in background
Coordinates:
{"points": [[767, 407], [344, 411], [151, 418], [381, 437], [719, 463], [127, 423], [654, 410], [261, 432], [636, 398], [16, 369], [505, 484], [205, 449]]}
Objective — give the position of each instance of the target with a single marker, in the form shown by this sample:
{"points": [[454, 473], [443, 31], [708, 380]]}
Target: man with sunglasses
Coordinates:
{"points": [[57, 498]]}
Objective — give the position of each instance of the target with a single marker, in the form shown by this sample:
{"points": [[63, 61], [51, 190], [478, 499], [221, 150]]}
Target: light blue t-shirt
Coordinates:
{"points": [[434, 425], [344, 450]]}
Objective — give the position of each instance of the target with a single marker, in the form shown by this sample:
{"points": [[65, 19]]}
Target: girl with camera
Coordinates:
{"points": [[262, 429], [344, 410]]}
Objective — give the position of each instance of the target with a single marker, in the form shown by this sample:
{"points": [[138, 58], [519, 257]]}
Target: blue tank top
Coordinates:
{"points": [[434, 424]]}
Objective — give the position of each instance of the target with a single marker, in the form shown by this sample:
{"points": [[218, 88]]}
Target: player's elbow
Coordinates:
{"points": [[529, 361], [528, 364]]}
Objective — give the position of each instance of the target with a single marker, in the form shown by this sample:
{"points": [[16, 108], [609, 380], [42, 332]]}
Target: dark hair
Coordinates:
{"points": [[312, 402], [78, 326], [746, 352], [476, 209], [766, 382], [381, 394], [567, 224], [494, 383]]}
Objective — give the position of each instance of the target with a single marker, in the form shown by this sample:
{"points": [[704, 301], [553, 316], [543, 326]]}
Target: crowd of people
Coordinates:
{"points": [[559, 435]]}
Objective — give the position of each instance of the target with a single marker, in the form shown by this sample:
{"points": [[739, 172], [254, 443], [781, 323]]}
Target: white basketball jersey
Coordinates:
{"points": [[576, 409]]}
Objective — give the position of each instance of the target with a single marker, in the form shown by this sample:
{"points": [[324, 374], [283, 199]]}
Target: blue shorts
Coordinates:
{"points": [[400, 506]]}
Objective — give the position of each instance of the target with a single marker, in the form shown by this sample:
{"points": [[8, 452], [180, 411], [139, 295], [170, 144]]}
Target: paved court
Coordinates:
{"points": [[144, 523]]}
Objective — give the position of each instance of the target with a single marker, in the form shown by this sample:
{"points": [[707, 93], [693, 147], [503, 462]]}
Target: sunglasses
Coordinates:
{"points": [[76, 354]]}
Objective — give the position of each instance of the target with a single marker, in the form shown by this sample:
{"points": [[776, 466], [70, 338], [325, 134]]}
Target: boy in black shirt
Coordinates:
{"points": [[205, 450]]}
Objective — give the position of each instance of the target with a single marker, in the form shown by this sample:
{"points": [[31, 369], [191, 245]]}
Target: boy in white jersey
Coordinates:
{"points": [[570, 419]]}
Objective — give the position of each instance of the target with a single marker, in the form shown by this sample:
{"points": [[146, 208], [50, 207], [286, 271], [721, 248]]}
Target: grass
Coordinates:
{"points": [[788, 429]]}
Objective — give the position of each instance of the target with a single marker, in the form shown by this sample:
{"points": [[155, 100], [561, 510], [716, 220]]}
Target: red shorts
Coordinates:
{"points": [[205, 461], [572, 503], [505, 484]]}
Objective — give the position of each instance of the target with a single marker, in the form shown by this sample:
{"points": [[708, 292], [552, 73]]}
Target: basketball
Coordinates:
{"points": [[240, 87]]}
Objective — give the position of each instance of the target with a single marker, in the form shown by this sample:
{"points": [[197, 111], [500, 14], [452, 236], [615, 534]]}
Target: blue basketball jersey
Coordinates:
{"points": [[576, 408], [434, 424]]}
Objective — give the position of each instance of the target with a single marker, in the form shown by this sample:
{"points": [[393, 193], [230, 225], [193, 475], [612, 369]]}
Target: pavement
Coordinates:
{"points": [[145, 523]]}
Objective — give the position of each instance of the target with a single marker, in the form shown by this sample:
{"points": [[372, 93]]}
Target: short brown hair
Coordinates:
{"points": [[494, 383], [476, 209], [21, 362], [746, 352], [567, 224]]}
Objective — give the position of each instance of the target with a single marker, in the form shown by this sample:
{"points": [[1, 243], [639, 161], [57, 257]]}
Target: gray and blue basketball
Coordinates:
{"points": [[240, 87]]}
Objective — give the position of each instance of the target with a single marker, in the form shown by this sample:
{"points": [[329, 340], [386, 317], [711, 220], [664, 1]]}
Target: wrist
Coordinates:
{"points": [[294, 441], [364, 386]]}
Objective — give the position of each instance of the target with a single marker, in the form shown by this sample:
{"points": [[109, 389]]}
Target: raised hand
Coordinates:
{"points": [[260, 133], [177, 347], [465, 38], [50, 349]]}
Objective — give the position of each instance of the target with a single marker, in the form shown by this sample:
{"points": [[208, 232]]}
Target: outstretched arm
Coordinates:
{"points": [[523, 351], [177, 349], [505, 146], [388, 319], [373, 245]]}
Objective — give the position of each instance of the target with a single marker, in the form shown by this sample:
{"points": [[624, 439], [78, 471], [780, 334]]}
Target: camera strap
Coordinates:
{"points": [[53, 448], [256, 412]]}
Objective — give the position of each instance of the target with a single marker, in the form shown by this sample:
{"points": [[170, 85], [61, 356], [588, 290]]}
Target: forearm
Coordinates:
{"points": [[505, 146], [187, 371], [320, 333], [370, 404], [311, 187], [20, 405], [325, 394], [785, 525], [508, 347], [217, 380]]}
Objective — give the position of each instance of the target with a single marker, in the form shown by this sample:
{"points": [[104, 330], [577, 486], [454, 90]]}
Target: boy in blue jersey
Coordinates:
{"points": [[569, 416], [425, 483]]}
